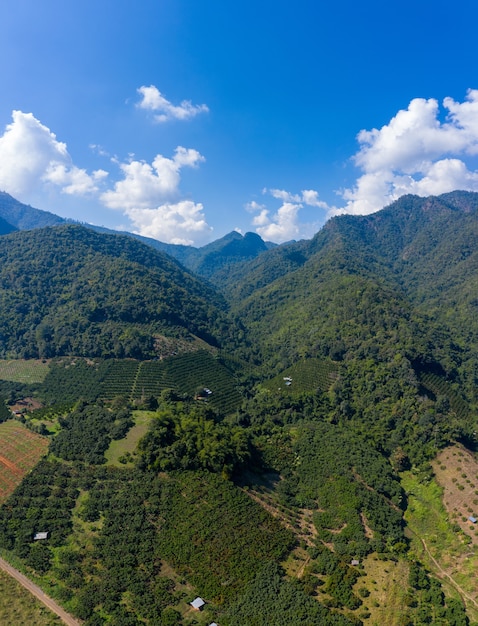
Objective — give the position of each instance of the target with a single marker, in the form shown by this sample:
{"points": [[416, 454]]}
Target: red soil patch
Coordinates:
{"points": [[21, 451], [11, 466]]}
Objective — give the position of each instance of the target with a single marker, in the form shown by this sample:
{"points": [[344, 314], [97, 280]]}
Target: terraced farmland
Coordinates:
{"points": [[69, 379], [201, 370], [20, 451], [441, 387], [306, 376], [119, 379], [184, 373]]}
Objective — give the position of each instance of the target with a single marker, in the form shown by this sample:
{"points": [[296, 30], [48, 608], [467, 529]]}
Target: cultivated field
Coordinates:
{"points": [[20, 451], [18, 606], [304, 376], [20, 371], [456, 471], [437, 518]]}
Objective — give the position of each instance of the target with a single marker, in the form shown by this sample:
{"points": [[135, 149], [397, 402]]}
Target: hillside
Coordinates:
{"points": [[206, 261], [286, 478], [24, 217], [68, 290], [390, 296]]}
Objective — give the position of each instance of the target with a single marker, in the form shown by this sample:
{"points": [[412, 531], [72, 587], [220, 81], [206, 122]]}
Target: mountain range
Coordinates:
{"points": [[354, 357]]}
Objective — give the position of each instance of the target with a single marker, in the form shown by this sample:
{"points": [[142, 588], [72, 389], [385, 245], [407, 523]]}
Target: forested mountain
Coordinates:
{"points": [[206, 261], [391, 296], [68, 290], [5, 227], [24, 217], [273, 477]]}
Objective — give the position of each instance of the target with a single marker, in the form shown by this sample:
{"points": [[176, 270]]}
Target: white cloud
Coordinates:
{"points": [[153, 100], [147, 185], [284, 224], [180, 223], [149, 195], [415, 153], [281, 226], [31, 156]]}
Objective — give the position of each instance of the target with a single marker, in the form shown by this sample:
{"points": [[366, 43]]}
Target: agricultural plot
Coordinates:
{"points": [[21, 608], [152, 378], [197, 370], [119, 379], [440, 387], [185, 373], [304, 376], [21, 371], [20, 451], [72, 378]]}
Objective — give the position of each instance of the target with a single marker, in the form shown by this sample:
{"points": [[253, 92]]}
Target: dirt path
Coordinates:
{"points": [[38, 593], [443, 573]]}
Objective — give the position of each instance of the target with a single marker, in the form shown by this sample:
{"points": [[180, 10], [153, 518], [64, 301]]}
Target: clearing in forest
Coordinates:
{"points": [[437, 519], [24, 371], [124, 448], [20, 451]]}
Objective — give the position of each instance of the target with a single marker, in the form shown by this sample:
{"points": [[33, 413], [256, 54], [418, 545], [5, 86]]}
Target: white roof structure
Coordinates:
{"points": [[38, 536], [197, 604]]}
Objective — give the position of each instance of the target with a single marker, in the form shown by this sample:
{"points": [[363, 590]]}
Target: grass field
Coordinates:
{"points": [[18, 607], [20, 371], [20, 451], [121, 447], [387, 582]]}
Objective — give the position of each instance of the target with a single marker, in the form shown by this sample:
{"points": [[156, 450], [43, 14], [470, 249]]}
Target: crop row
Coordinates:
{"points": [[21, 451], [440, 387], [305, 377], [24, 371]]}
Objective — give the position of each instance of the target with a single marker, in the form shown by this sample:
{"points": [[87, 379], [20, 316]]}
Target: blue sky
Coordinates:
{"points": [[185, 119]]}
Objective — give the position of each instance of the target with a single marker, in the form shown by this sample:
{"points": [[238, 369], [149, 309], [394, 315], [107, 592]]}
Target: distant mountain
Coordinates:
{"points": [[208, 261], [24, 217], [69, 290], [212, 261], [5, 227]]}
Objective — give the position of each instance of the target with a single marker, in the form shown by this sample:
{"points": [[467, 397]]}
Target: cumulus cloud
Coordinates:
{"points": [[31, 156], [164, 111], [149, 194], [180, 223], [415, 153], [284, 224], [146, 185]]}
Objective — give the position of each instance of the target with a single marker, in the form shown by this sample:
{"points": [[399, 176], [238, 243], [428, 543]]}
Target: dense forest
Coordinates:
{"points": [[68, 290], [243, 439]]}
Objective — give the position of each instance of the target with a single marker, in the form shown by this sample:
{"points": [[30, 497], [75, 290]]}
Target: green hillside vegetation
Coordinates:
{"points": [[63, 381], [305, 376], [278, 503], [68, 290], [24, 217]]}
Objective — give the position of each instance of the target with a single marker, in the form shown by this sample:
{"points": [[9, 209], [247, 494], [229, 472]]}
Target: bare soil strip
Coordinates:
{"points": [[38, 593], [11, 466]]}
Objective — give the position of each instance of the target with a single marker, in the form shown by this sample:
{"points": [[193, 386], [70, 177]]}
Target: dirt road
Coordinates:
{"points": [[38, 593]]}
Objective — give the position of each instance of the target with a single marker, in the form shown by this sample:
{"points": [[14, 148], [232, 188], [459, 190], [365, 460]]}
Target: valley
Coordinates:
{"points": [[287, 432]]}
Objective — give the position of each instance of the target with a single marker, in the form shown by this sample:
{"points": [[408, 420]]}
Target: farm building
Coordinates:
{"points": [[197, 604], [39, 536], [472, 519]]}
